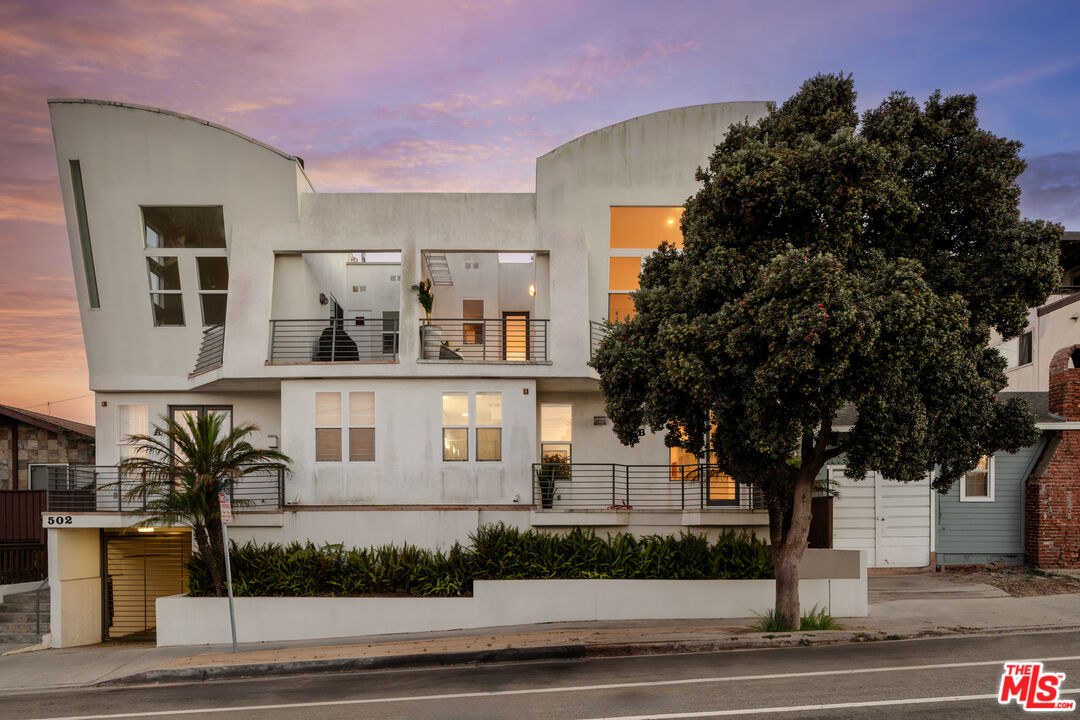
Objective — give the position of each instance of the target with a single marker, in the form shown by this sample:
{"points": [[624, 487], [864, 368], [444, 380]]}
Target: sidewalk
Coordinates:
{"points": [[900, 607]]}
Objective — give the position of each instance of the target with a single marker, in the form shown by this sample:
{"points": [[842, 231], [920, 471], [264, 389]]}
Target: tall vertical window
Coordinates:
{"points": [[361, 426], [635, 233], [84, 233], [165, 297], [130, 420], [170, 234], [488, 426], [978, 484], [555, 431], [327, 427], [472, 332], [213, 288], [455, 420]]}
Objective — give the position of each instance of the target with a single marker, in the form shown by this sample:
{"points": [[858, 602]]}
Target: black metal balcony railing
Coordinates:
{"points": [[609, 486], [597, 332], [507, 339], [212, 349], [103, 488], [337, 340]]}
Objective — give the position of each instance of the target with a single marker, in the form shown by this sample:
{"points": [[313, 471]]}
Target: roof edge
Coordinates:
{"points": [[657, 112], [162, 111]]}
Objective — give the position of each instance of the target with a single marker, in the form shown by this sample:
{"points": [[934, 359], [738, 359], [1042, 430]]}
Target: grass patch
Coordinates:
{"points": [[813, 619]]}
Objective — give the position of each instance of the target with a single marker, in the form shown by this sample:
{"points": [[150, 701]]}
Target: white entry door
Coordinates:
{"points": [[889, 520]]}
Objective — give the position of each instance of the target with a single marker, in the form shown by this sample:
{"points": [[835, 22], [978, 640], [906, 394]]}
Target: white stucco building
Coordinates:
{"points": [[212, 277]]}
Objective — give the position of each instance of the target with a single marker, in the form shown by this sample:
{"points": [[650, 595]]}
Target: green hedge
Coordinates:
{"points": [[495, 552]]}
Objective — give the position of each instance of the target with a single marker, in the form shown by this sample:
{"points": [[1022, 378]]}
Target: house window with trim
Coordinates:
{"points": [[455, 431], [556, 432], [170, 234], [327, 427], [130, 420], [977, 485], [488, 426], [361, 426]]}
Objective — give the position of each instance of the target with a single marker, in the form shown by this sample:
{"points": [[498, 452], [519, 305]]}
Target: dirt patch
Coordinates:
{"points": [[1017, 581]]}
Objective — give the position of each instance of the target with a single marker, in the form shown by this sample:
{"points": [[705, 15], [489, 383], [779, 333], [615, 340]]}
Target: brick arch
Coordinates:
{"points": [[1064, 395]]}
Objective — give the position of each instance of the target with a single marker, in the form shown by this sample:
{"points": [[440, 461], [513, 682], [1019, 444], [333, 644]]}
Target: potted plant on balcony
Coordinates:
{"points": [[430, 335], [553, 467]]}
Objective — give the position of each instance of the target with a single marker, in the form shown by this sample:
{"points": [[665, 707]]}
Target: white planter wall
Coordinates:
{"points": [[197, 621]]}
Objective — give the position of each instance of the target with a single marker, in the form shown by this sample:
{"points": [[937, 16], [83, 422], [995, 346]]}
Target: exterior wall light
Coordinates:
{"points": [[532, 290]]}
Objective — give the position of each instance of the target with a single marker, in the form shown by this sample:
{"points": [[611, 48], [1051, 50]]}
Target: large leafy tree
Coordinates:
{"points": [[826, 262], [178, 471]]}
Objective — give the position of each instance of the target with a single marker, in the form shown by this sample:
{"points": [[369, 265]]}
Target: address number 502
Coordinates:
{"points": [[58, 520]]}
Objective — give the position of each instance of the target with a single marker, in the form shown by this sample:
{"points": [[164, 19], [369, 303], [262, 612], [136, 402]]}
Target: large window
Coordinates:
{"points": [[168, 232], [455, 420], [978, 484], [361, 426], [458, 424], [184, 227], [488, 426], [327, 427], [556, 432], [130, 420], [635, 233]]}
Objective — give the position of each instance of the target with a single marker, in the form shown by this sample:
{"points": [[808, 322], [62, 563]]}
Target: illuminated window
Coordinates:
{"points": [[556, 431], [977, 485], [455, 432], [645, 228], [488, 420]]}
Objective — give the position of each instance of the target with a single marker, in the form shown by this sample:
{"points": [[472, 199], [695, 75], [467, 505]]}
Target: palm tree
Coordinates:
{"points": [[180, 469]]}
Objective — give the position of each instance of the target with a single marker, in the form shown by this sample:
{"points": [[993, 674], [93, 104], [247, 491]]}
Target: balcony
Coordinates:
{"points": [[561, 487], [510, 339], [597, 332], [102, 489], [354, 340]]}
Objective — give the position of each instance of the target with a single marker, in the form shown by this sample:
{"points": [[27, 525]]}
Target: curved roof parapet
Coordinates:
{"points": [[146, 108], [768, 103]]}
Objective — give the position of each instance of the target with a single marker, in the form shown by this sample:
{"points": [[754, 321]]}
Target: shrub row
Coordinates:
{"points": [[495, 552]]}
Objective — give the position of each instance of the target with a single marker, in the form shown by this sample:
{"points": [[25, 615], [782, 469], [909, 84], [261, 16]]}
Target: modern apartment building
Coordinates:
{"points": [[212, 277]]}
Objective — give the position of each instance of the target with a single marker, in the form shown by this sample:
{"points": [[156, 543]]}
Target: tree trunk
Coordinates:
{"points": [[788, 552], [216, 559], [206, 549]]}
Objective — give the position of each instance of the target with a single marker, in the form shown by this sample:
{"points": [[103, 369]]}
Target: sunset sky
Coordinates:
{"points": [[463, 96]]}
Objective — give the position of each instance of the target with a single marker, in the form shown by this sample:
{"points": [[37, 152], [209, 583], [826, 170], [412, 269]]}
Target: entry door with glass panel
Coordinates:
{"points": [[516, 336]]}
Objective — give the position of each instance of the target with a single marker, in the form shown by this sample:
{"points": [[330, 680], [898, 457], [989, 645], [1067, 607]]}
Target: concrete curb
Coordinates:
{"points": [[552, 652], [386, 662]]}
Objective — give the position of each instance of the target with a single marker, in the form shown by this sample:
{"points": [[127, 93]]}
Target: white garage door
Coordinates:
{"points": [[889, 520]]}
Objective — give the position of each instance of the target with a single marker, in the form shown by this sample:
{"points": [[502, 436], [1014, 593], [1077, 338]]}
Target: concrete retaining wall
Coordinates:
{"points": [[195, 621]]}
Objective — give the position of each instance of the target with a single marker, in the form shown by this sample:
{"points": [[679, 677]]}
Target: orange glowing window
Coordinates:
{"points": [[623, 273], [620, 307], [645, 227]]}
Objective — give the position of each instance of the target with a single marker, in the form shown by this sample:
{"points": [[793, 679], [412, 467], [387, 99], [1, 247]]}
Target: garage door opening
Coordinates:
{"points": [[140, 567]]}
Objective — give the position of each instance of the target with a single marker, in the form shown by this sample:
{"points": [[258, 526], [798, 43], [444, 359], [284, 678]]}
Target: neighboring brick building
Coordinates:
{"points": [[1052, 493], [30, 438]]}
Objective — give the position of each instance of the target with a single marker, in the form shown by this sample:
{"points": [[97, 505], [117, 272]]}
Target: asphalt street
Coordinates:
{"points": [[955, 677]]}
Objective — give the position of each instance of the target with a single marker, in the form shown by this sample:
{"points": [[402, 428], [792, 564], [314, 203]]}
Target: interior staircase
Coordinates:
{"points": [[17, 618]]}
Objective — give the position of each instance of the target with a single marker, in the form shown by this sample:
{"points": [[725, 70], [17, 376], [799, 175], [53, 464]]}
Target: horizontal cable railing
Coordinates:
{"points": [[103, 488], [212, 349], [597, 332], [337, 340], [609, 486], [508, 339]]}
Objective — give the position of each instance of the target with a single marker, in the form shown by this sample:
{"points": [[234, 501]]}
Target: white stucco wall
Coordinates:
{"points": [[75, 586], [1050, 332], [131, 157], [408, 466], [196, 621]]}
